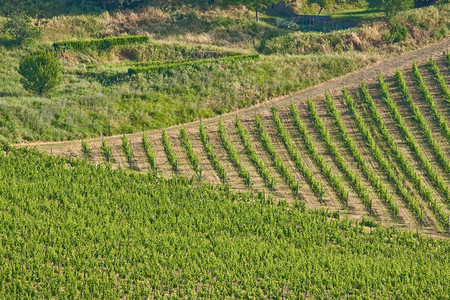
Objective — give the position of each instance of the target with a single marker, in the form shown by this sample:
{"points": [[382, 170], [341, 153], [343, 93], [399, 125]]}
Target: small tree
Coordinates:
{"points": [[41, 72], [391, 8], [256, 5], [20, 28], [322, 4]]}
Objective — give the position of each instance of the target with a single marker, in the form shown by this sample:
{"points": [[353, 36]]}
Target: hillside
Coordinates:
{"points": [[98, 95], [399, 178], [197, 149]]}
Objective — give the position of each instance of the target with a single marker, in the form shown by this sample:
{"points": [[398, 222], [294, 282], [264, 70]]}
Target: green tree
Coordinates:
{"points": [[322, 4], [20, 28], [256, 5], [41, 72], [391, 8]]}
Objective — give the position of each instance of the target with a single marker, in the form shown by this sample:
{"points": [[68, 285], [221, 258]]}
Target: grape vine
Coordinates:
{"points": [[316, 186], [149, 152], [243, 173], [404, 163], [173, 160], [334, 180], [193, 158], [217, 165], [284, 171], [426, 94], [269, 180], [422, 122]]}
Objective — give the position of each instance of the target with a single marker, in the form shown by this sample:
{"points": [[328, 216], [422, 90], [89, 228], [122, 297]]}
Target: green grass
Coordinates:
{"points": [[357, 15], [104, 100], [116, 234], [83, 107]]}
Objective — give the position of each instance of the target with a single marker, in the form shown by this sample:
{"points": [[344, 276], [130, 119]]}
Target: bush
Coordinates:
{"points": [[399, 34], [19, 27], [99, 44], [41, 72]]}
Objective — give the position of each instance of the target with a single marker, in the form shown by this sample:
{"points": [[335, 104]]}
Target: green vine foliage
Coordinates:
{"points": [[209, 149], [171, 156], [439, 78], [193, 158], [429, 98], [440, 155], [149, 152], [326, 137], [243, 173], [106, 233], [106, 151], [263, 170], [404, 163], [282, 168], [334, 180], [316, 186]]}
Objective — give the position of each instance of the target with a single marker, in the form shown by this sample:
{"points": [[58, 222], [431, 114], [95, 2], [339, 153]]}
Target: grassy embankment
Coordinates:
{"points": [[290, 61]]}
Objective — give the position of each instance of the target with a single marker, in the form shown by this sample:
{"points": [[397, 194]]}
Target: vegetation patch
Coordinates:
{"points": [[99, 44]]}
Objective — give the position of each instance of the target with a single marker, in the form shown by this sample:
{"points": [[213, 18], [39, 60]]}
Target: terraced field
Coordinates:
{"points": [[378, 148]]}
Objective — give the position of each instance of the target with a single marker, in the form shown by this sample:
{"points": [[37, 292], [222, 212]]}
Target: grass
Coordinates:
{"points": [[103, 101], [357, 15], [83, 107]]}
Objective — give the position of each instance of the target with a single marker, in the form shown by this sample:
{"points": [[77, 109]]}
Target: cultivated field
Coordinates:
{"points": [[379, 148]]}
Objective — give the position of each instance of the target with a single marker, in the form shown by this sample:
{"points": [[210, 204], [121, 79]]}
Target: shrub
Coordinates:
{"points": [[99, 44], [19, 27], [41, 72], [399, 34]]}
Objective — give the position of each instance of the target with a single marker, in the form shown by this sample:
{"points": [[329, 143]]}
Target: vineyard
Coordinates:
{"points": [[377, 149], [70, 229]]}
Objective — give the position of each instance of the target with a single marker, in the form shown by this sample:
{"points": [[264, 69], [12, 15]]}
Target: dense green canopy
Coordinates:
{"points": [[69, 229]]}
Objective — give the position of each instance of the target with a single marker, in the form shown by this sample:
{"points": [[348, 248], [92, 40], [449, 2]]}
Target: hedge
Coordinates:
{"points": [[160, 68], [99, 44]]}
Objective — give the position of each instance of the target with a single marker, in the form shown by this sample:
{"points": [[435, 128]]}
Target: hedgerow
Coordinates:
{"points": [[99, 44]]}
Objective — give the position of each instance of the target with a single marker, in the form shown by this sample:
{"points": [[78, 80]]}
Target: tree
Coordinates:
{"points": [[20, 28], [391, 8], [41, 72], [256, 5], [322, 4]]}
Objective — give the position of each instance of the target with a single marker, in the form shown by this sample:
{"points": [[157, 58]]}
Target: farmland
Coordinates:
{"points": [[193, 149], [375, 149], [70, 229]]}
